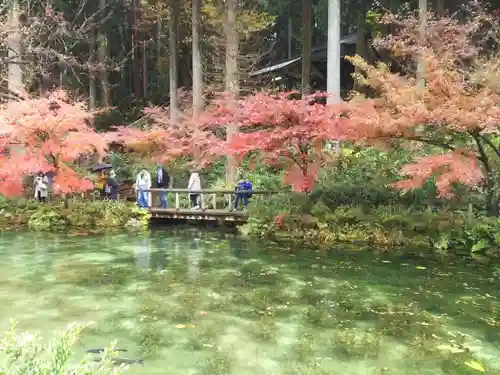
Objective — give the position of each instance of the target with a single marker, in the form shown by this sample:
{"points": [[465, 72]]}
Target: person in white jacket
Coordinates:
{"points": [[143, 182], [194, 186], [41, 183]]}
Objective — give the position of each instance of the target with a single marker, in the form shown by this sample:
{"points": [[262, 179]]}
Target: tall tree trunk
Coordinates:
{"points": [[159, 51], [333, 73], [172, 39], [197, 60], [136, 62], [123, 86], [422, 11], [290, 37], [306, 46], [145, 78], [92, 72], [231, 77], [333, 52], [440, 8], [102, 41], [15, 74], [361, 48]]}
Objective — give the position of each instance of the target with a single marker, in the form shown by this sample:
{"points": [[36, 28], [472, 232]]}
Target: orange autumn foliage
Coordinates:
{"points": [[456, 111], [288, 133], [46, 134], [452, 111], [166, 142]]}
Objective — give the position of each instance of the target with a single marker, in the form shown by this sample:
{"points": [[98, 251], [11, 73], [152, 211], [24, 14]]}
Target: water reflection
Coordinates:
{"points": [[143, 252], [194, 256], [235, 246], [161, 254], [41, 253]]}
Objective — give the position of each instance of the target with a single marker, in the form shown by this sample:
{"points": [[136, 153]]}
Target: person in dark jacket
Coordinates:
{"points": [[162, 181], [243, 193], [111, 187]]}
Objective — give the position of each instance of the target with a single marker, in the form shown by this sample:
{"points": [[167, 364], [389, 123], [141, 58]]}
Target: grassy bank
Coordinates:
{"points": [[440, 230], [93, 216], [353, 202]]}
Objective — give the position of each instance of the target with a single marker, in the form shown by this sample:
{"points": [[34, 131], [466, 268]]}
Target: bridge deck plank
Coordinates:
{"points": [[207, 214]]}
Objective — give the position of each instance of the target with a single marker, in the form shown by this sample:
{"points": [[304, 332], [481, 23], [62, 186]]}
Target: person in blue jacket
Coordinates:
{"points": [[243, 193]]}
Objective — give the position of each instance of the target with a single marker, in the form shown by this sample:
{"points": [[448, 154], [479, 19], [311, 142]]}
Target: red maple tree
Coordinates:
{"points": [[290, 133], [46, 134], [166, 142], [456, 110]]}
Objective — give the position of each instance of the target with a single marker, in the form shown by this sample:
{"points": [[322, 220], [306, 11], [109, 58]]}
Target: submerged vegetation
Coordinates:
{"points": [[265, 313], [24, 353]]}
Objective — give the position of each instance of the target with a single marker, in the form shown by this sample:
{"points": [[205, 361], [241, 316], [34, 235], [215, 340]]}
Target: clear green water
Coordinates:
{"points": [[252, 307]]}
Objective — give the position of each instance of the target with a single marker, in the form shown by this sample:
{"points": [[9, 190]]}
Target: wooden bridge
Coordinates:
{"points": [[215, 204]]}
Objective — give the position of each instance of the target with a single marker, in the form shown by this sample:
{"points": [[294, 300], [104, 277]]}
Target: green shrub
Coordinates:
{"points": [[77, 214], [317, 224]]}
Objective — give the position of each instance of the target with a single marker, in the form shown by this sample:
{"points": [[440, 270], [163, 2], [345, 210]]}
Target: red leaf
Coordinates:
{"points": [[46, 134]]}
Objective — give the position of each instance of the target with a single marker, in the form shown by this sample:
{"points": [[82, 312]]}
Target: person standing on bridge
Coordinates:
{"points": [[194, 187], [41, 183], [111, 186], [143, 182], [243, 192], [162, 181]]}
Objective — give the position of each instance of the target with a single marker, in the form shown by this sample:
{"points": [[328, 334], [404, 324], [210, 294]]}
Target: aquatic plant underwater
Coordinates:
{"points": [[23, 353], [202, 310]]}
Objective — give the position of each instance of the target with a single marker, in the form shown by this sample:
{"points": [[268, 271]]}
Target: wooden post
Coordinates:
{"points": [[177, 201], [214, 201], [202, 201], [470, 214]]}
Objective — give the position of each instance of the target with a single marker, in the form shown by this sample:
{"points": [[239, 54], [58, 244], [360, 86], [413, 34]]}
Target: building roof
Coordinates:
{"points": [[318, 54]]}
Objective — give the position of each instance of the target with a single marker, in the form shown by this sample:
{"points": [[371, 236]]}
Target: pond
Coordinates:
{"points": [[191, 302]]}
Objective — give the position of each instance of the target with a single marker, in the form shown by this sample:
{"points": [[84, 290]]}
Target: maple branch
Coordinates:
{"points": [[54, 160], [482, 155], [295, 160], [431, 142], [490, 180], [490, 143]]}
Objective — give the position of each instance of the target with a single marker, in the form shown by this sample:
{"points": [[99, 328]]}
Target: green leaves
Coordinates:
{"points": [[475, 366], [23, 353]]}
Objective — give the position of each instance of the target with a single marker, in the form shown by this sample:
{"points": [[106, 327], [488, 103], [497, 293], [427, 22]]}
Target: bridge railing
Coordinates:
{"points": [[212, 199]]}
